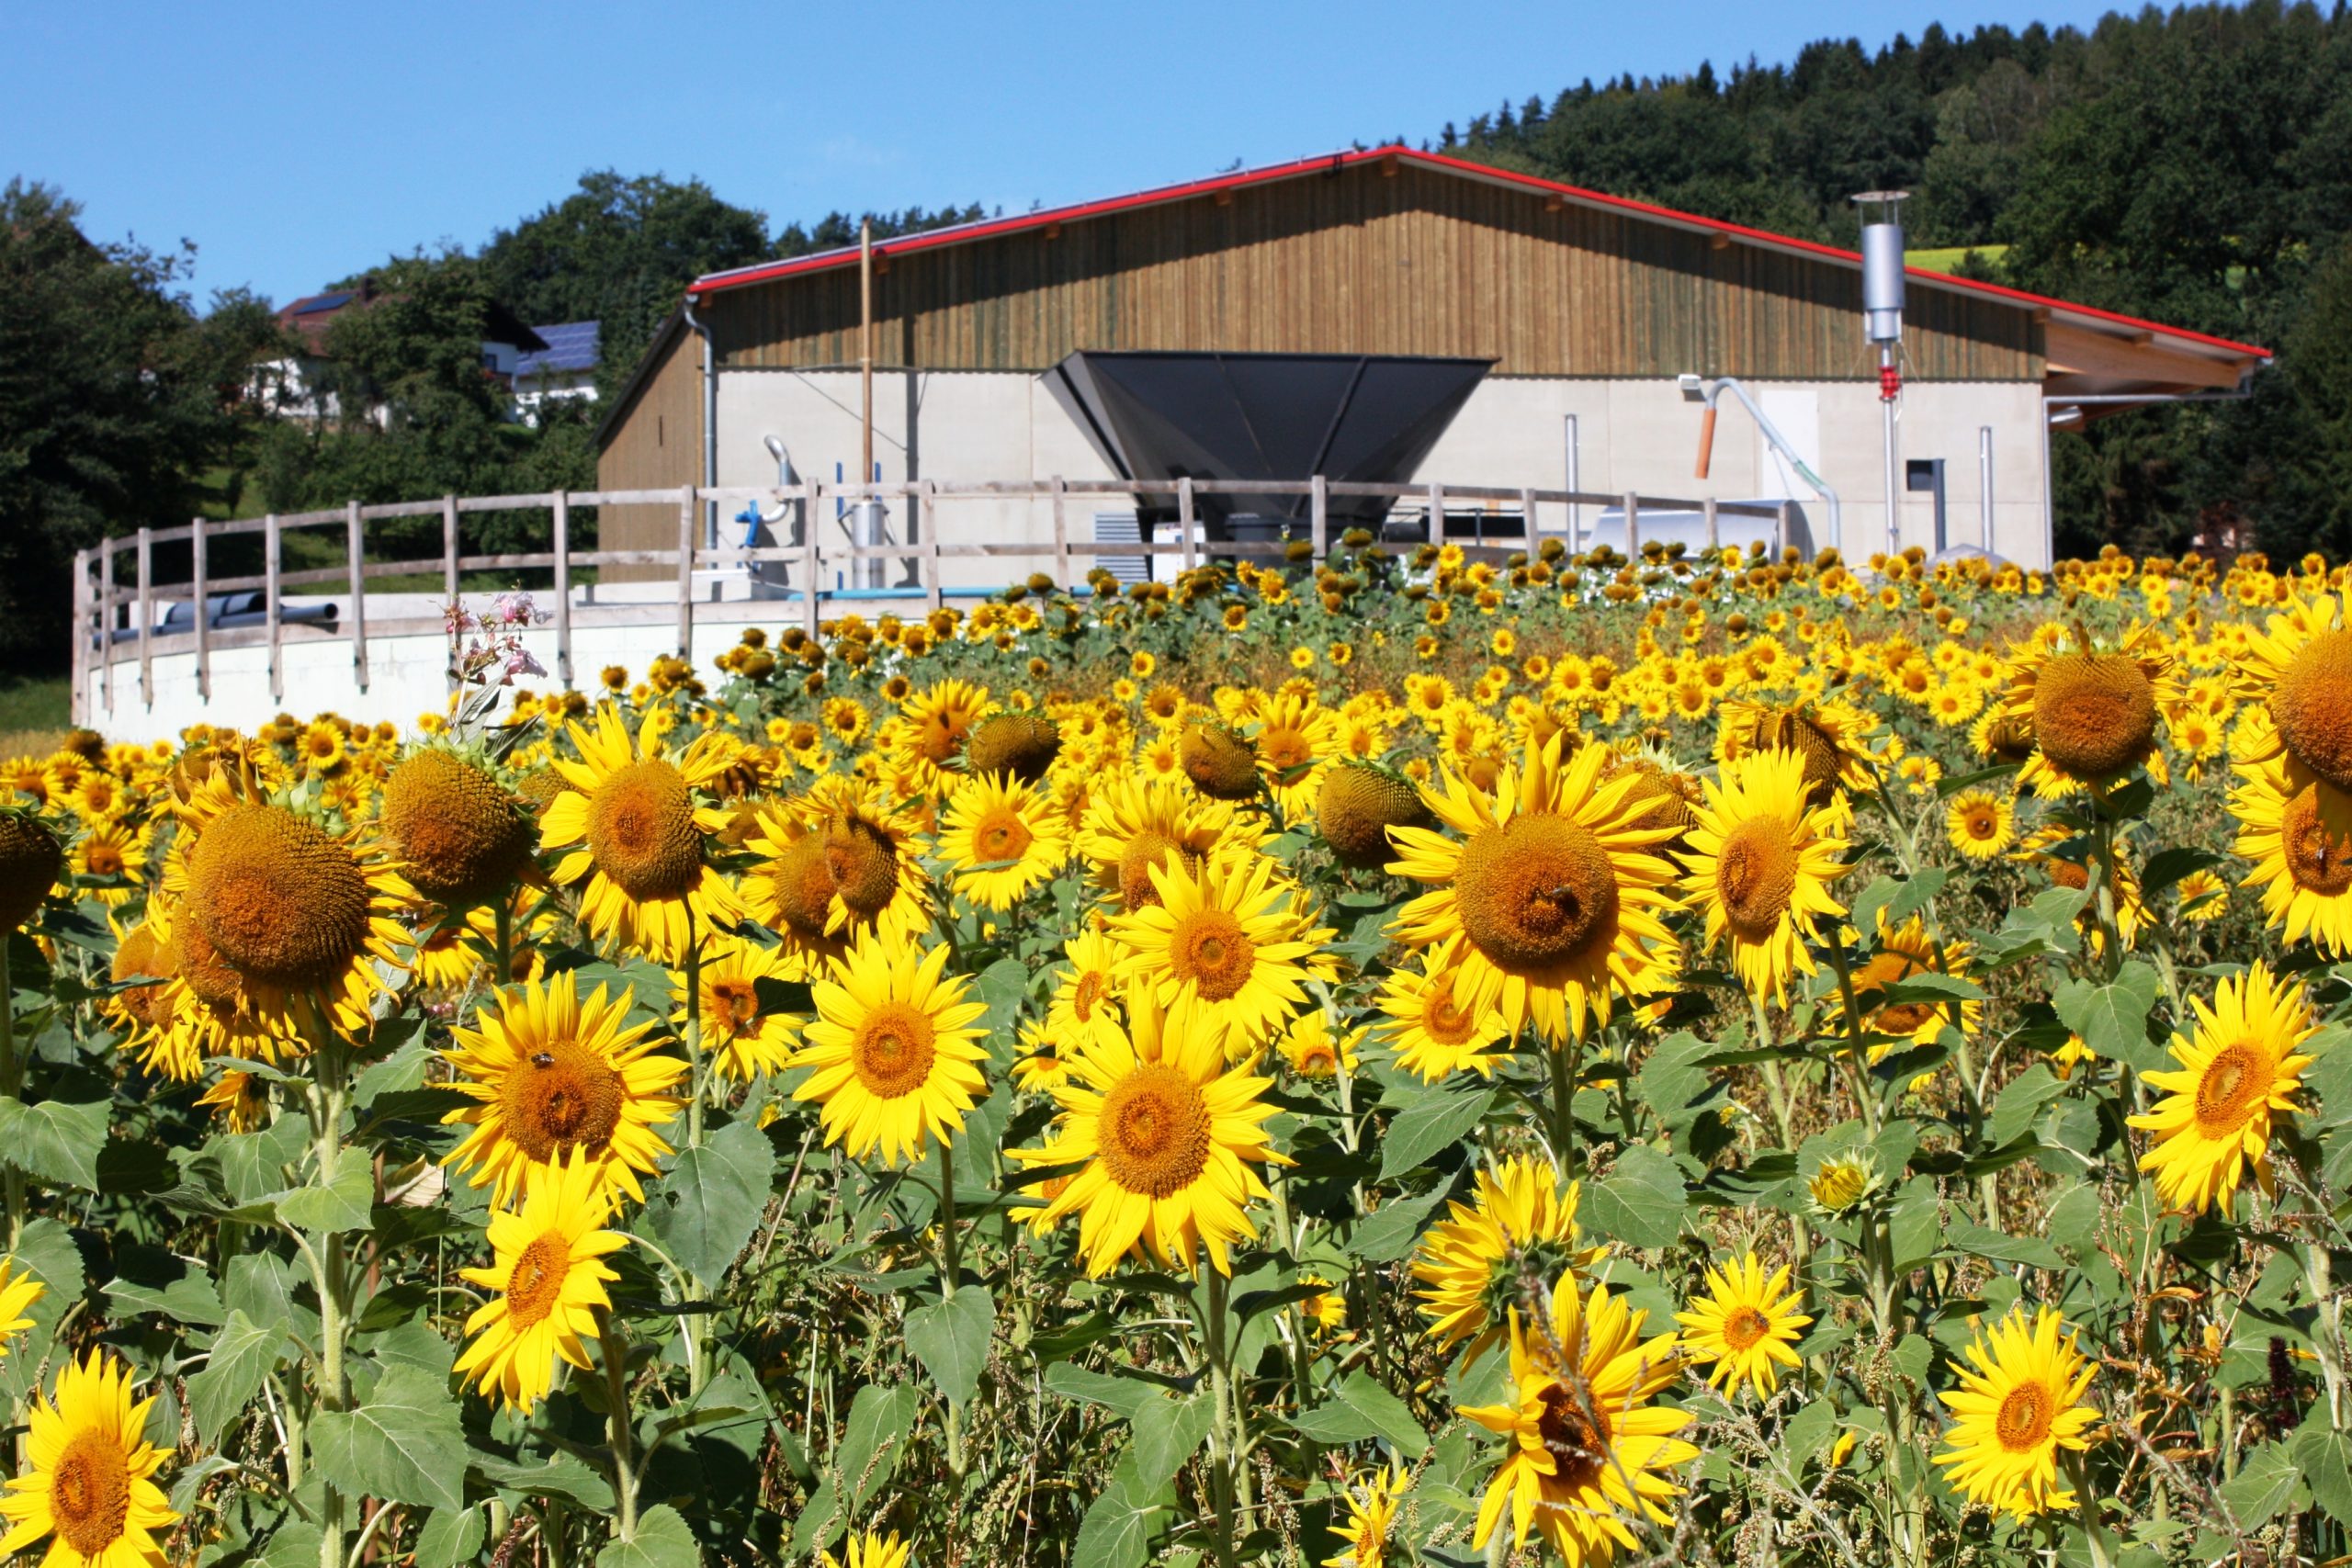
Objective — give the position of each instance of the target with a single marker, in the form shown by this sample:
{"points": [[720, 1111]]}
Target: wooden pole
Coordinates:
{"points": [[146, 616], [270, 597], [106, 620], [686, 573], [1061, 539], [1527, 529], [811, 586], [356, 549], [78, 706], [1184, 516], [865, 354], [1715, 529], [1632, 526], [449, 547], [1437, 513], [199, 577], [1318, 515], [1781, 529], [563, 587], [932, 596]]}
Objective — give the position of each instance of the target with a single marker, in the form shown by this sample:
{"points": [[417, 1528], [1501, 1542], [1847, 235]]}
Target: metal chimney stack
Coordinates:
{"points": [[1882, 325]]}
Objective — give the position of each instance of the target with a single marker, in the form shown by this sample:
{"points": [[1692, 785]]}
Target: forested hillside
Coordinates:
{"points": [[2194, 166]]}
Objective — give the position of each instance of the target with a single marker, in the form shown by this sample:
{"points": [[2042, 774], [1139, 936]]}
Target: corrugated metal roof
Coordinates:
{"points": [[571, 346]]}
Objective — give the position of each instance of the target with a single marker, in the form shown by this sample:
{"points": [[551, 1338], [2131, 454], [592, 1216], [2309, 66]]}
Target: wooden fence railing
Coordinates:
{"points": [[102, 604]]}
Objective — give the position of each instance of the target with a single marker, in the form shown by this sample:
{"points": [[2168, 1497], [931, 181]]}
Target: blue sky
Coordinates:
{"points": [[295, 143]]}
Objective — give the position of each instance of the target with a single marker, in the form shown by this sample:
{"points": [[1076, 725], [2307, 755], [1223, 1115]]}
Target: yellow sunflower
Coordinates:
{"points": [[744, 1036], [1980, 823], [1134, 824], [871, 1549], [93, 1480], [2015, 1408], [1426, 1024], [1746, 1323], [18, 1291], [896, 1056], [1517, 1233], [1002, 838], [636, 836], [550, 1075], [2095, 714], [1372, 1513], [240, 1099], [838, 863], [2297, 670], [1552, 885], [928, 735], [1903, 952], [1314, 1050], [1587, 1447], [545, 1283], [2240, 1071], [112, 853], [1171, 1136], [1086, 993], [1297, 739], [1829, 736], [1225, 938], [1760, 864], [2302, 867]]}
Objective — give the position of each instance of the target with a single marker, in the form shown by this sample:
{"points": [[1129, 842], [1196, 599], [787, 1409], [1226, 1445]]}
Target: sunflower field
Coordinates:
{"points": [[1394, 1059]]}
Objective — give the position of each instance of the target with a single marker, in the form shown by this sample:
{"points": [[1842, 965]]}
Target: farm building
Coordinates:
{"points": [[1598, 316]]}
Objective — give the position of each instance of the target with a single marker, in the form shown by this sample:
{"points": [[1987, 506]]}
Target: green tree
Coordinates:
{"points": [[115, 402]]}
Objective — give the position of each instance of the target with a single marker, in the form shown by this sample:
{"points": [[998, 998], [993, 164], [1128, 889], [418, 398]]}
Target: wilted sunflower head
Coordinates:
{"points": [[1360, 802], [281, 900], [463, 835], [1799, 727], [30, 859], [1221, 762], [1021, 744]]}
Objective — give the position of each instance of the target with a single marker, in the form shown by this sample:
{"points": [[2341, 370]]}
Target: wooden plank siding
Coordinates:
{"points": [[655, 444], [1419, 260]]}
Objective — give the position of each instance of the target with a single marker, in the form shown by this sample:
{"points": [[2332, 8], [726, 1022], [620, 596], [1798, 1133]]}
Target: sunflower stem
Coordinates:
{"points": [[617, 1425], [694, 1032], [504, 917], [1851, 1062], [1564, 1065], [949, 1266], [12, 1085], [331, 1068], [1224, 1452], [1800, 1236]]}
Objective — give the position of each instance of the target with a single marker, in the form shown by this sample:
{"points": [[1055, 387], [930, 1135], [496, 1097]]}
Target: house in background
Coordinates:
{"points": [[565, 368], [290, 386]]}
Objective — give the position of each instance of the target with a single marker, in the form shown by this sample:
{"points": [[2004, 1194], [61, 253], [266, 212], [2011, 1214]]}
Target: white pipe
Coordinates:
{"points": [[1576, 513], [1893, 461], [1712, 389], [1984, 481], [710, 420]]}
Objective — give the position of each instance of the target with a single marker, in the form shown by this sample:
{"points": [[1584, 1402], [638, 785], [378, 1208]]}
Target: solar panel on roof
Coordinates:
{"points": [[324, 303]]}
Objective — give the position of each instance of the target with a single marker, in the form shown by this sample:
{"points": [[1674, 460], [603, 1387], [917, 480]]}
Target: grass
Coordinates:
{"points": [[1950, 256], [34, 714]]}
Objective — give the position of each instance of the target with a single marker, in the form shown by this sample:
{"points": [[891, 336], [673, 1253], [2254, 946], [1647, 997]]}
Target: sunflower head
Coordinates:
{"points": [[1021, 744], [2312, 706], [1221, 762], [30, 859], [1359, 803], [539, 787], [641, 830], [464, 836], [1536, 890], [279, 899], [2094, 713]]}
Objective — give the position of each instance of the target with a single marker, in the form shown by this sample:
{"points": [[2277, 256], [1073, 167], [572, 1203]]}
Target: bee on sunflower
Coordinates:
{"points": [[839, 863]]}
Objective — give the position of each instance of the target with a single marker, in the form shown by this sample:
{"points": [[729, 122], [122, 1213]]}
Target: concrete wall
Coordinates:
{"points": [[1633, 435]]}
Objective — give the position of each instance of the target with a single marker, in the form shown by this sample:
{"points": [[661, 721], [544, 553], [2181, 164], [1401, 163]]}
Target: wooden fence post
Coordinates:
{"points": [[563, 587], [449, 546], [78, 707], [1437, 515], [197, 574], [1781, 530], [1714, 528], [354, 547], [106, 620], [931, 596], [1184, 516], [270, 596], [1061, 539], [686, 574], [146, 616], [1527, 529], [1633, 504], [808, 531], [1318, 515]]}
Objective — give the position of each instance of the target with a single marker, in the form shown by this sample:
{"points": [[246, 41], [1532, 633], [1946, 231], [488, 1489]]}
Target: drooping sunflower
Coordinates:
{"points": [[2015, 1408], [1371, 1512], [1002, 838], [1220, 760], [928, 733], [1829, 736], [1225, 938], [1022, 745], [1426, 1024], [2302, 867], [1171, 1137], [18, 1291], [1356, 803], [839, 863], [545, 1282], [461, 837], [2240, 1071], [91, 1484], [551, 1074], [30, 858], [896, 1056], [870, 1549], [637, 837], [1980, 823], [1761, 862], [1587, 1447], [1746, 1323], [1518, 1234], [744, 1036], [303, 917], [1552, 885], [2096, 714]]}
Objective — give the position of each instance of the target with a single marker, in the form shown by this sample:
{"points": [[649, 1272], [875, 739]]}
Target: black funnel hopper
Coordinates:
{"points": [[1365, 418]]}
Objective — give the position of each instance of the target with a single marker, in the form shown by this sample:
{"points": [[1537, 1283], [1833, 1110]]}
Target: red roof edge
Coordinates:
{"points": [[825, 261]]}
